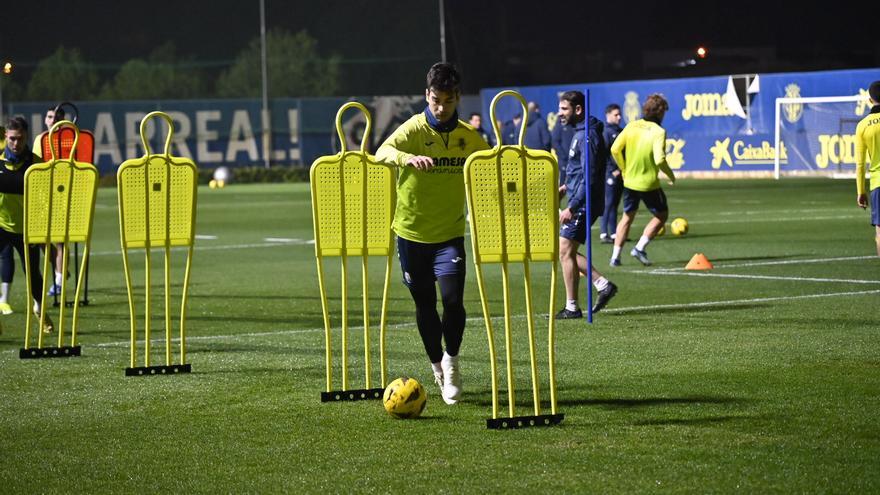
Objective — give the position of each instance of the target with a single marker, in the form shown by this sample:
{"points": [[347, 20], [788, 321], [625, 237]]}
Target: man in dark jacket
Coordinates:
{"points": [[560, 141], [574, 227], [613, 180], [537, 135]]}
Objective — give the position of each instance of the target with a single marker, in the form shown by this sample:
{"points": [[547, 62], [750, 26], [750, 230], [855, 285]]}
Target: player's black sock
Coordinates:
{"points": [[454, 316], [428, 321]]}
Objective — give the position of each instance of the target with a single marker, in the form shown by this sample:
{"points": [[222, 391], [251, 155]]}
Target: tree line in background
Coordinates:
{"points": [[295, 68]]}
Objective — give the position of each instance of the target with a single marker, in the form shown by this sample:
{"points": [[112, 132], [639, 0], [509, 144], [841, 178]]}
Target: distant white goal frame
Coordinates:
{"points": [[807, 99]]}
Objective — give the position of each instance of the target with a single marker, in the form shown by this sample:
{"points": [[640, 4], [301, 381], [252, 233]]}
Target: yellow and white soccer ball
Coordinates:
{"points": [[212, 184], [405, 398], [661, 231], [679, 226]]}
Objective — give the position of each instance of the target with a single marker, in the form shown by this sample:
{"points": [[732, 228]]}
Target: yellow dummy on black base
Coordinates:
{"points": [[513, 199], [59, 204], [157, 210], [353, 199]]}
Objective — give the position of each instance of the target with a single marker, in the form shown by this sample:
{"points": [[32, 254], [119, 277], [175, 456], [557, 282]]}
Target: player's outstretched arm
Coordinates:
{"points": [[617, 151], [660, 156], [861, 159]]}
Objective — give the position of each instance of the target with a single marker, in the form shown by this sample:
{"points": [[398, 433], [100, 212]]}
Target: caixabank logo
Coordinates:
{"points": [[739, 152]]}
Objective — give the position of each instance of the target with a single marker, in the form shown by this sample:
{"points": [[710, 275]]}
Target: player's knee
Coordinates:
{"points": [[567, 249]]}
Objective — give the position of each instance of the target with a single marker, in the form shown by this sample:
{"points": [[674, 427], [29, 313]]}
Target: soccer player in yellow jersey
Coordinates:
{"points": [[15, 160], [429, 220], [640, 152], [868, 143]]}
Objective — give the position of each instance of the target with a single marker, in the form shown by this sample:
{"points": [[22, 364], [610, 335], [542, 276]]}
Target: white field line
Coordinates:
{"points": [[733, 302], [765, 277], [287, 242], [782, 262], [477, 319]]}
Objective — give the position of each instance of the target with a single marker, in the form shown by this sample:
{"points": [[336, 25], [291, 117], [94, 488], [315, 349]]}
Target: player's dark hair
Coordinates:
{"points": [[17, 123], [574, 98], [874, 91], [59, 113], [475, 114], [655, 107], [443, 77], [612, 107]]}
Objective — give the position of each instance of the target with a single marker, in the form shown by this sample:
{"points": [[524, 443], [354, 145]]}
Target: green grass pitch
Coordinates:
{"points": [[761, 375]]}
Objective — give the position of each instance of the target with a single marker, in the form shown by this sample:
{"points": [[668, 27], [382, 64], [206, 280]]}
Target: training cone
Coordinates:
{"points": [[699, 262]]}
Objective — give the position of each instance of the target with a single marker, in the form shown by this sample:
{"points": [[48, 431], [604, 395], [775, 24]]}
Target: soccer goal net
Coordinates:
{"points": [[815, 136]]}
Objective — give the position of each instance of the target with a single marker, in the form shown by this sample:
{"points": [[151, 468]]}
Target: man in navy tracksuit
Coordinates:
{"points": [[573, 221], [613, 179], [537, 134], [560, 139]]}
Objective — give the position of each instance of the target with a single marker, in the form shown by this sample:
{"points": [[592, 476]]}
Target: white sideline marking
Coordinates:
{"points": [[783, 262], [286, 240], [297, 242], [765, 277], [476, 319], [739, 301], [206, 237]]}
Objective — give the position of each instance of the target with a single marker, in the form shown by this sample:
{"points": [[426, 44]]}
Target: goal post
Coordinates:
{"points": [[814, 136]]}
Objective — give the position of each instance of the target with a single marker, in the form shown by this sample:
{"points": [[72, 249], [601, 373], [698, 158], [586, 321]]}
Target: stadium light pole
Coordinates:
{"points": [[442, 33], [267, 132]]}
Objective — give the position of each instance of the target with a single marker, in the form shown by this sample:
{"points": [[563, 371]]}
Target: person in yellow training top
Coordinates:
{"points": [[640, 152], [431, 148], [16, 159], [868, 142], [53, 116]]}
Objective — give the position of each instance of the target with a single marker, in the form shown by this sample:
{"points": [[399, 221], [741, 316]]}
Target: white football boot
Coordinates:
{"points": [[451, 389]]}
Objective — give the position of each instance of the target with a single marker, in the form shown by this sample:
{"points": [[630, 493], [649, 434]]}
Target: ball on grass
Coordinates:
{"points": [[679, 226], [404, 398]]}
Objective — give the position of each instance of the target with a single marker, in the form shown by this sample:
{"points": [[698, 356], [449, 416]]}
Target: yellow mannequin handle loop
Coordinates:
{"points": [[168, 120], [57, 126], [525, 115], [353, 104]]}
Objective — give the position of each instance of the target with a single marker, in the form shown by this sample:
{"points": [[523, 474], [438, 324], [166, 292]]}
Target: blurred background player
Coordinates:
{"points": [[510, 130], [640, 152], [573, 225], [537, 135], [17, 157], [560, 137], [429, 220], [613, 180], [476, 121], [53, 116], [868, 141]]}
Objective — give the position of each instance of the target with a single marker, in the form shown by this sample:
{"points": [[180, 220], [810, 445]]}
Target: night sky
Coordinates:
{"points": [[386, 46]]}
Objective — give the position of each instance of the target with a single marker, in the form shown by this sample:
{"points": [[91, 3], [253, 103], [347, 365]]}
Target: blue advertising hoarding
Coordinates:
{"points": [[704, 134]]}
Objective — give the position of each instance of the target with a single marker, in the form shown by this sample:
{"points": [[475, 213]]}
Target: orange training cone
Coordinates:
{"points": [[699, 262]]}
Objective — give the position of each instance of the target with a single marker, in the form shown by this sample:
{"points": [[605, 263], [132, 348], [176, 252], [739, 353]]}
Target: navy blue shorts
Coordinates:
{"points": [[422, 263], [655, 200], [576, 229], [875, 207]]}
